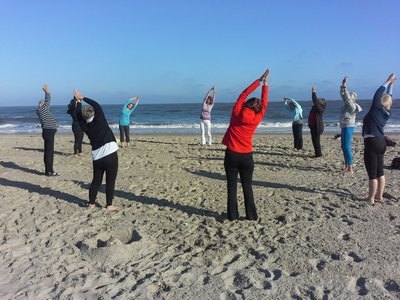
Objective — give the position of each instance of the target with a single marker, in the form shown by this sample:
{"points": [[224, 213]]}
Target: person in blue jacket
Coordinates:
{"points": [[124, 120], [374, 138], [297, 125]]}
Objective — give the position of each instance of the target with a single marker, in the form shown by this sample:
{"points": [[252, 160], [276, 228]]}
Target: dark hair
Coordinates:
{"points": [[254, 104], [210, 100]]}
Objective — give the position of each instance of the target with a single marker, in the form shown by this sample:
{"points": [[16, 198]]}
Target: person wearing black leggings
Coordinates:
{"points": [[104, 149], [238, 139], [315, 122], [76, 128], [374, 139]]}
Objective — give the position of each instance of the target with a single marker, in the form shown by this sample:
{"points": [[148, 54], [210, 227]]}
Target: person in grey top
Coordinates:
{"points": [[347, 124], [49, 129]]}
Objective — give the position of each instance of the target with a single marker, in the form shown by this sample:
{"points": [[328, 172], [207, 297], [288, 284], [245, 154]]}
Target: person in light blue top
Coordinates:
{"points": [[297, 125], [124, 120]]}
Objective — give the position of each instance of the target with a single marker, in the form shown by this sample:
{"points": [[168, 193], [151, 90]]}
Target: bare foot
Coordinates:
{"points": [[92, 206], [112, 208], [80, 154]]}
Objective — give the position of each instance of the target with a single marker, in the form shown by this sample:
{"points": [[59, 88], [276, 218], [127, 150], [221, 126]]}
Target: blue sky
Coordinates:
{"points": [[173, 51]]}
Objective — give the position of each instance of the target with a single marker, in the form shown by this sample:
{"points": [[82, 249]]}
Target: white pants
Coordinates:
{"points": [[205, 126]]}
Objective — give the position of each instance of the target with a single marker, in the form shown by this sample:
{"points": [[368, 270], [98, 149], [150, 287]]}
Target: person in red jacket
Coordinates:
{"points": [[238, 139]]}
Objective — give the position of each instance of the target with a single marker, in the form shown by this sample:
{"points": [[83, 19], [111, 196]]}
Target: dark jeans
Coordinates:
{"points": [[374, 150], [48, 137], [124, 131], [243, 164], [78, 137], [315, 137], [297, 129], [108, 164]]}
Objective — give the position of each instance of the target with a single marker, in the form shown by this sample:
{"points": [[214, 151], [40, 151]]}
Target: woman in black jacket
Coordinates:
{"points": [[104, 149], [315, 122], [76, 128]]}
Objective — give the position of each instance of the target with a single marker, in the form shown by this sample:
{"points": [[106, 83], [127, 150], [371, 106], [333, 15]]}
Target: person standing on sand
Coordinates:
{"points": [[49, 129], [104, 149], [124, 120], [297, 125], [76, 128], [238, 139], [347, 124], [315, 122], [205, 116], [374, 139]]}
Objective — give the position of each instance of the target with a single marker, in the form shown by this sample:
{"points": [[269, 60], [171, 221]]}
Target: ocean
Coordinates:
{"points": [[184, 118]]}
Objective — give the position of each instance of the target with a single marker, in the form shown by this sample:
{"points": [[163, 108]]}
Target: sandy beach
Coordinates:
{"points": [[316, 238]]}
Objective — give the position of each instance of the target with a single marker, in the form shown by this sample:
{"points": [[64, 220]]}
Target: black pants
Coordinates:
{"points": [[243, 164], [316, 140], [124, 132], [78, 137], [297, 129], [108, 164], [374, 150], [48, 137]]}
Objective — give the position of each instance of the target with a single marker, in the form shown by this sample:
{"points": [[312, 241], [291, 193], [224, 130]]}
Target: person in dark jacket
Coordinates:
{"points": [[104, 149], [49, 129], [374, 138], [76, 128], [315, 122]]}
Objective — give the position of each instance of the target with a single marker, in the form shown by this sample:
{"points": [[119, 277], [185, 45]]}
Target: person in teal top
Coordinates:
{"points": [[297, 125], [124, 119]]}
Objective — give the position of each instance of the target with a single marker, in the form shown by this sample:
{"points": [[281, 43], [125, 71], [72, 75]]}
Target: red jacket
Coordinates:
{"points": [[244, 121]]}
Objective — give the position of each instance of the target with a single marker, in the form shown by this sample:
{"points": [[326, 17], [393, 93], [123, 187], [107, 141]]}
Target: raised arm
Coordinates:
{"points": [[243, 96], [136, 99], [344, 93], [386, 87], [47, 96], [291, 100], [81, 121], [315, 100], [98, 111]]}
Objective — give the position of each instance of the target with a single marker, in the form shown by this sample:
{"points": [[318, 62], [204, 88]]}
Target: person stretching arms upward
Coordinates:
{"points": [[104, 149], [238, 139], [374, 139]]}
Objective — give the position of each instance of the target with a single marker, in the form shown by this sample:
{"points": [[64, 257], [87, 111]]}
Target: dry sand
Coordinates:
{"points": [[170, 239]]}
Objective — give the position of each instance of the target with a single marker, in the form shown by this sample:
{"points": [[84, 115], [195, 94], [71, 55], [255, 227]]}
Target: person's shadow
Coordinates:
{"points": [[274, 185], [190, 210], [34, 188], [12, 165], [41, 150]]}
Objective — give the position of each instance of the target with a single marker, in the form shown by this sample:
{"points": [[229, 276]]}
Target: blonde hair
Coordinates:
{"points": [[353, 96], [386, 101]]}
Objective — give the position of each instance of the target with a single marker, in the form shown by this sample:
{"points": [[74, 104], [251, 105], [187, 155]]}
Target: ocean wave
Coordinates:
{"points": [[8, 125]]}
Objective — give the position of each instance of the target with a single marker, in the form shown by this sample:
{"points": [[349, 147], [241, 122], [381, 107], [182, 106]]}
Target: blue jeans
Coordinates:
{"points": [[345, 138]]}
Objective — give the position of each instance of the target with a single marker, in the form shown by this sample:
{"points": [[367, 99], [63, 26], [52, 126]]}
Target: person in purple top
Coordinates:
{"points": [[205, 117], [374, 139]]}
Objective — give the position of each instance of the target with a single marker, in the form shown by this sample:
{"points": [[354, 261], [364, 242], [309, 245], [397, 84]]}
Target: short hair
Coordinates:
{"points": [[387, 101], [87, 112], [353, 96]]}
